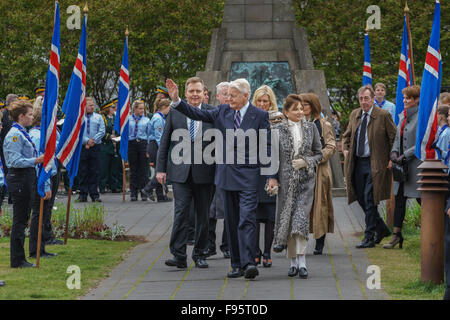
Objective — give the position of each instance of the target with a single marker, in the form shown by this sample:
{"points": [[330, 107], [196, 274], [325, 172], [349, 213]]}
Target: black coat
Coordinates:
{"points": [[201, 173]]}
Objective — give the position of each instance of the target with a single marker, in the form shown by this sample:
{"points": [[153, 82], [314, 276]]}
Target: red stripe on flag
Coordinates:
{"points": [[432, 61], [430, 152], [75, 135], [368, 69], [124, 76], [125, 114], [50, 148], [54, 61]]}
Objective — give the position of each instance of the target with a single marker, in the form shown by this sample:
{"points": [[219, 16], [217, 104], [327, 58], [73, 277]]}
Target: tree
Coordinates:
{"points": [[167, 38], [336, 36]]}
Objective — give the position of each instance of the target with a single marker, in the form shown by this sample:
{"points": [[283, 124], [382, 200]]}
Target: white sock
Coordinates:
{"points": [[294, 262], [301, 260]]}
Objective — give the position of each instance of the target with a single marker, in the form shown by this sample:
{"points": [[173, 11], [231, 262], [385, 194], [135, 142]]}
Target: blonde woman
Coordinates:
{"points": [[264, 98], [322, 214]]}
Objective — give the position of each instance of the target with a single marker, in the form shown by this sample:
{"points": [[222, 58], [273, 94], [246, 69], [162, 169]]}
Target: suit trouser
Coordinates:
{"points": [[212, 236], [22, 187], [183, 194], [447, 249], [240, 221], [363, 185], [137, 158], [89, 171]]}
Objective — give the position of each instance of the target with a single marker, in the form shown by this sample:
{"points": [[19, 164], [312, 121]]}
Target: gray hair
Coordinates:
{"points": [[222, 85], [241, 85], [10, 98]]}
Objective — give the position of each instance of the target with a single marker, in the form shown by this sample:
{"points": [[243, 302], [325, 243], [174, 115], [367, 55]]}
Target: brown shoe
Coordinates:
{"points": [[396, 238]]}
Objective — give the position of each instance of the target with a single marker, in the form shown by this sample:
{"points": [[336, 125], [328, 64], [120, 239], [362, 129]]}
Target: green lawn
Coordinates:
{"points": [[400, 268], [95, 258]]}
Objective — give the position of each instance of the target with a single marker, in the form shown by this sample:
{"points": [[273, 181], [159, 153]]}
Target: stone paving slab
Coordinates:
{"points": [[339, 274]]}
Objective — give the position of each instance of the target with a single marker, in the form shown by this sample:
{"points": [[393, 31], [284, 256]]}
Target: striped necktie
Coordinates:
{"points": [[88, 123], [192, 129], [237, 120]]}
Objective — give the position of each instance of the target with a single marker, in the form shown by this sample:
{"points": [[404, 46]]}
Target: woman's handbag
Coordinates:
{"points": [[400, 171]]}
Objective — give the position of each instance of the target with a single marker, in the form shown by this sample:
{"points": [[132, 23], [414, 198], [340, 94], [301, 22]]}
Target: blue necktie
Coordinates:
{"points": [[88, 123], [192, 130], [237, 120]]}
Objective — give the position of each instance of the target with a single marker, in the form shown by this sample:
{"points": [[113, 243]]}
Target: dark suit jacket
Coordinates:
{"points": [[234, 177], [201, 173]]}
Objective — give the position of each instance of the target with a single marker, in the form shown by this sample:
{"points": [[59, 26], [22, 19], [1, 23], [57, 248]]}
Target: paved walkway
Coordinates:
{"points": [[340, 273]]}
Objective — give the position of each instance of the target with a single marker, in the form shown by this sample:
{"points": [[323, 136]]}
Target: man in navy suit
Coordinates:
{"points": [[239, 181]]}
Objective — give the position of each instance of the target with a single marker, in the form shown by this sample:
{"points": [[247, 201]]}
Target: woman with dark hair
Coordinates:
{"points": [[300, 152], [322, 214], [402, 155], [21, 157]]}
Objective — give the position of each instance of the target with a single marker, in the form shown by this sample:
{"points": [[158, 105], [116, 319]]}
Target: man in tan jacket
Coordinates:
{"points": [[367, 143]]}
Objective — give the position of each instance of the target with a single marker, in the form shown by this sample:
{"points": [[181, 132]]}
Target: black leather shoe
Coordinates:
{"points": [[54, 242], [44, 255], [2, 283], [210, 253], [201, 263], [235, 273], [26, 264], [366, 243], [382, 234], [279, 248], [226, 254], [165, 199], [303, 273], [175, 262], [250, 272], [293, 271]]}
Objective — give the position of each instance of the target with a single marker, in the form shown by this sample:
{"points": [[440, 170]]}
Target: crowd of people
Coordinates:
{"points": [[291, 203]]}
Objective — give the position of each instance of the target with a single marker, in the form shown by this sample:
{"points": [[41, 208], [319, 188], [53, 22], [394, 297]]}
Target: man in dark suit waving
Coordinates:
{"points": [[191, 180], [238, 174]]}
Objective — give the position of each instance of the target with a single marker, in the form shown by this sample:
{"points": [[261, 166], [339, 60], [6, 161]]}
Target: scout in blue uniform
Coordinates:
{"points": [[50, 185], [89, 166], [109, 156], [139, 132], [21, 157], [156, 130]]}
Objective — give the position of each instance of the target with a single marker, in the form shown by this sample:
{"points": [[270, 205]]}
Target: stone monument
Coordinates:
{"points": [[259, 40]]}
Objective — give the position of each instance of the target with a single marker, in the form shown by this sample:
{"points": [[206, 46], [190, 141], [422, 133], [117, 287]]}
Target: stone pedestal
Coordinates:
{"points": [[266, 31]]}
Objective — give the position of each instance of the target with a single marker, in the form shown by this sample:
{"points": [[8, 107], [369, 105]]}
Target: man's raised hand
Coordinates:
{"points": [[172, 88]]}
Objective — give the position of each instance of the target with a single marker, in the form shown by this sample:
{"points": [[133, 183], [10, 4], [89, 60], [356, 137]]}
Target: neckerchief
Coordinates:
{"points": [[136, 119], [26, 135], [162, 115], [380, 104]]}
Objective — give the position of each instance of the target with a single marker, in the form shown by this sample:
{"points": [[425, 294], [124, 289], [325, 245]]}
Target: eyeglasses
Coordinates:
{"points": [[366, 98]]}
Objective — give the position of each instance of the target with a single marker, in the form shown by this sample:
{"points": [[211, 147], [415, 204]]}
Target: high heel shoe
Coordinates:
{"points": [[258, 258], [267, 262], [396, 238]]}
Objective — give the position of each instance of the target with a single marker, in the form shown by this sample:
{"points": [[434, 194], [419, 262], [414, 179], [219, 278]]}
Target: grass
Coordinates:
{"points": [[400, 268], [95, 258]]}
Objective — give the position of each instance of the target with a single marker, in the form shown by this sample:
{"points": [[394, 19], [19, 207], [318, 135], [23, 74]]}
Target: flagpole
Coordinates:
{"points": [[41, 213], [410, 43], [123, 180], [69, 199]]}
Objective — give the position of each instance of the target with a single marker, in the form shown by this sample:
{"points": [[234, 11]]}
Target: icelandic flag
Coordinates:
{"points": [[123, 108], [429, 93], [367, 71], [404, 73], [49, 108], [74, 107]]}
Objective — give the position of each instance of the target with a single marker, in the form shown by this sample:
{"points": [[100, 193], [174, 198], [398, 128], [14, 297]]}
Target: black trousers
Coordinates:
{"points": [[400, 206], [363, 184], [137, 159], [240, 219], [22, 186], [447, 249], [212, 236], [89, 171], [202, 195]]}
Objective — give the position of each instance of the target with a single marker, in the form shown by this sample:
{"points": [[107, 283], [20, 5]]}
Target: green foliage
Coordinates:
{"points": [[336, 36], [87, 222], [167, 38]]}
